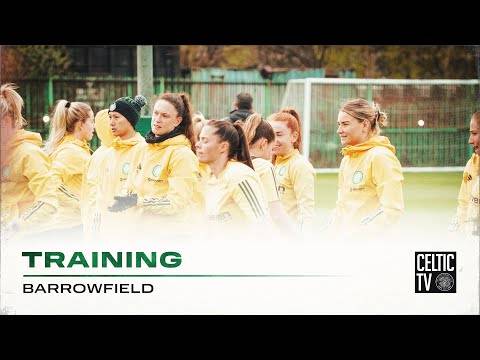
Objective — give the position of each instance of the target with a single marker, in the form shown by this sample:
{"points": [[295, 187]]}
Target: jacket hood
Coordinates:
{"points": [[102, 127], [367, 145]]}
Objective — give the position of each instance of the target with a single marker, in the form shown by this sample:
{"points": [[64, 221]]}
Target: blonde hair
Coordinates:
{"points": [[255, 128], [65, 116], [476, 116], [362, 110], [198, 121], [11, 102], [197, 117]]}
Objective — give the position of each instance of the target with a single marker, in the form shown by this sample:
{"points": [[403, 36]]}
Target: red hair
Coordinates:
{"points": [[291, 117]]}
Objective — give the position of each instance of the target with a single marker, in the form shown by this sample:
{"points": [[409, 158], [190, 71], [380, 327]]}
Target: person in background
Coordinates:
{"points": [[242, 108]]}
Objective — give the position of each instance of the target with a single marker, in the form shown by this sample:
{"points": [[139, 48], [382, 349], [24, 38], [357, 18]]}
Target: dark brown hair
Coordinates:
{"points": [[181, 103], [234, 135]]}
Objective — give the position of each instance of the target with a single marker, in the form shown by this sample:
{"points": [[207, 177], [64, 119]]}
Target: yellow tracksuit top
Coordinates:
{"points": [[91, 194], [90, 183], [166, 182], [28, 193], [69, 163], [369, 185], [235, 196], [296, 186], [122, 158], [266, 173], [468, 198]]}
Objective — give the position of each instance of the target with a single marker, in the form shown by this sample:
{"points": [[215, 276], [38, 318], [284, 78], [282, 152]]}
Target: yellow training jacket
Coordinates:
{"points": [[69, 163], [235, 196], [296, 184], [91, 194], [90, 183], [468, 198], [28, 194], [166, 182], [369, 185], [122, 158], [266, 173]]}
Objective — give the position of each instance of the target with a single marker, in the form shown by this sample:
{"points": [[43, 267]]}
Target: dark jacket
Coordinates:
{"points": [[240, 114]]}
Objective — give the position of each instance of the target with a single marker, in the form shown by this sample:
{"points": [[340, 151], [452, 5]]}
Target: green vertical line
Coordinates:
{"points": [[28, 102], [162, 85], [267, 94]]}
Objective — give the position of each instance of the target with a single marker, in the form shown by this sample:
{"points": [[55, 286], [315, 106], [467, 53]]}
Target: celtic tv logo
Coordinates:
{"points": [[435, 272]]}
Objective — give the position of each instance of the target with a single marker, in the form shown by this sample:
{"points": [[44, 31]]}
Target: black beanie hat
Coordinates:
{"points": [[128, 107]]}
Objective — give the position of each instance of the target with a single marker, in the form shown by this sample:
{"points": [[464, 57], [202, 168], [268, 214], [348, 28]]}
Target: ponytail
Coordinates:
{"points": [[380, 119], [11, 102], [250, 127], [65, 116], [289, 110], [242, 154], [181, 103], [58, 127], [256, 128], [187, 120], [234, 135]]}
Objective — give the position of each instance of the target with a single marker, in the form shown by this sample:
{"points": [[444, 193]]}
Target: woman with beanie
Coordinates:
{"points": [[296, 180], [70, 129], [164, 185], [29, 200], [370, 180], [121, 158]]}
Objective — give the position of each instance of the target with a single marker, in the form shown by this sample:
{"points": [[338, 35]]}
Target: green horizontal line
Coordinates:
{"points": [[193, 275]]}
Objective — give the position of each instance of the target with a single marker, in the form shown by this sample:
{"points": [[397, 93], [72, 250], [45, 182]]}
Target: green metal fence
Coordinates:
{"points": [[213, 99]]}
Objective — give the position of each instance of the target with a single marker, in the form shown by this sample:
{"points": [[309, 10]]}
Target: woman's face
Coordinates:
{"points": [[119, 124], [165, 118], [7, 128], [209, 147], [284, 138], [86, 128], [474, 138], [350, 130]]}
